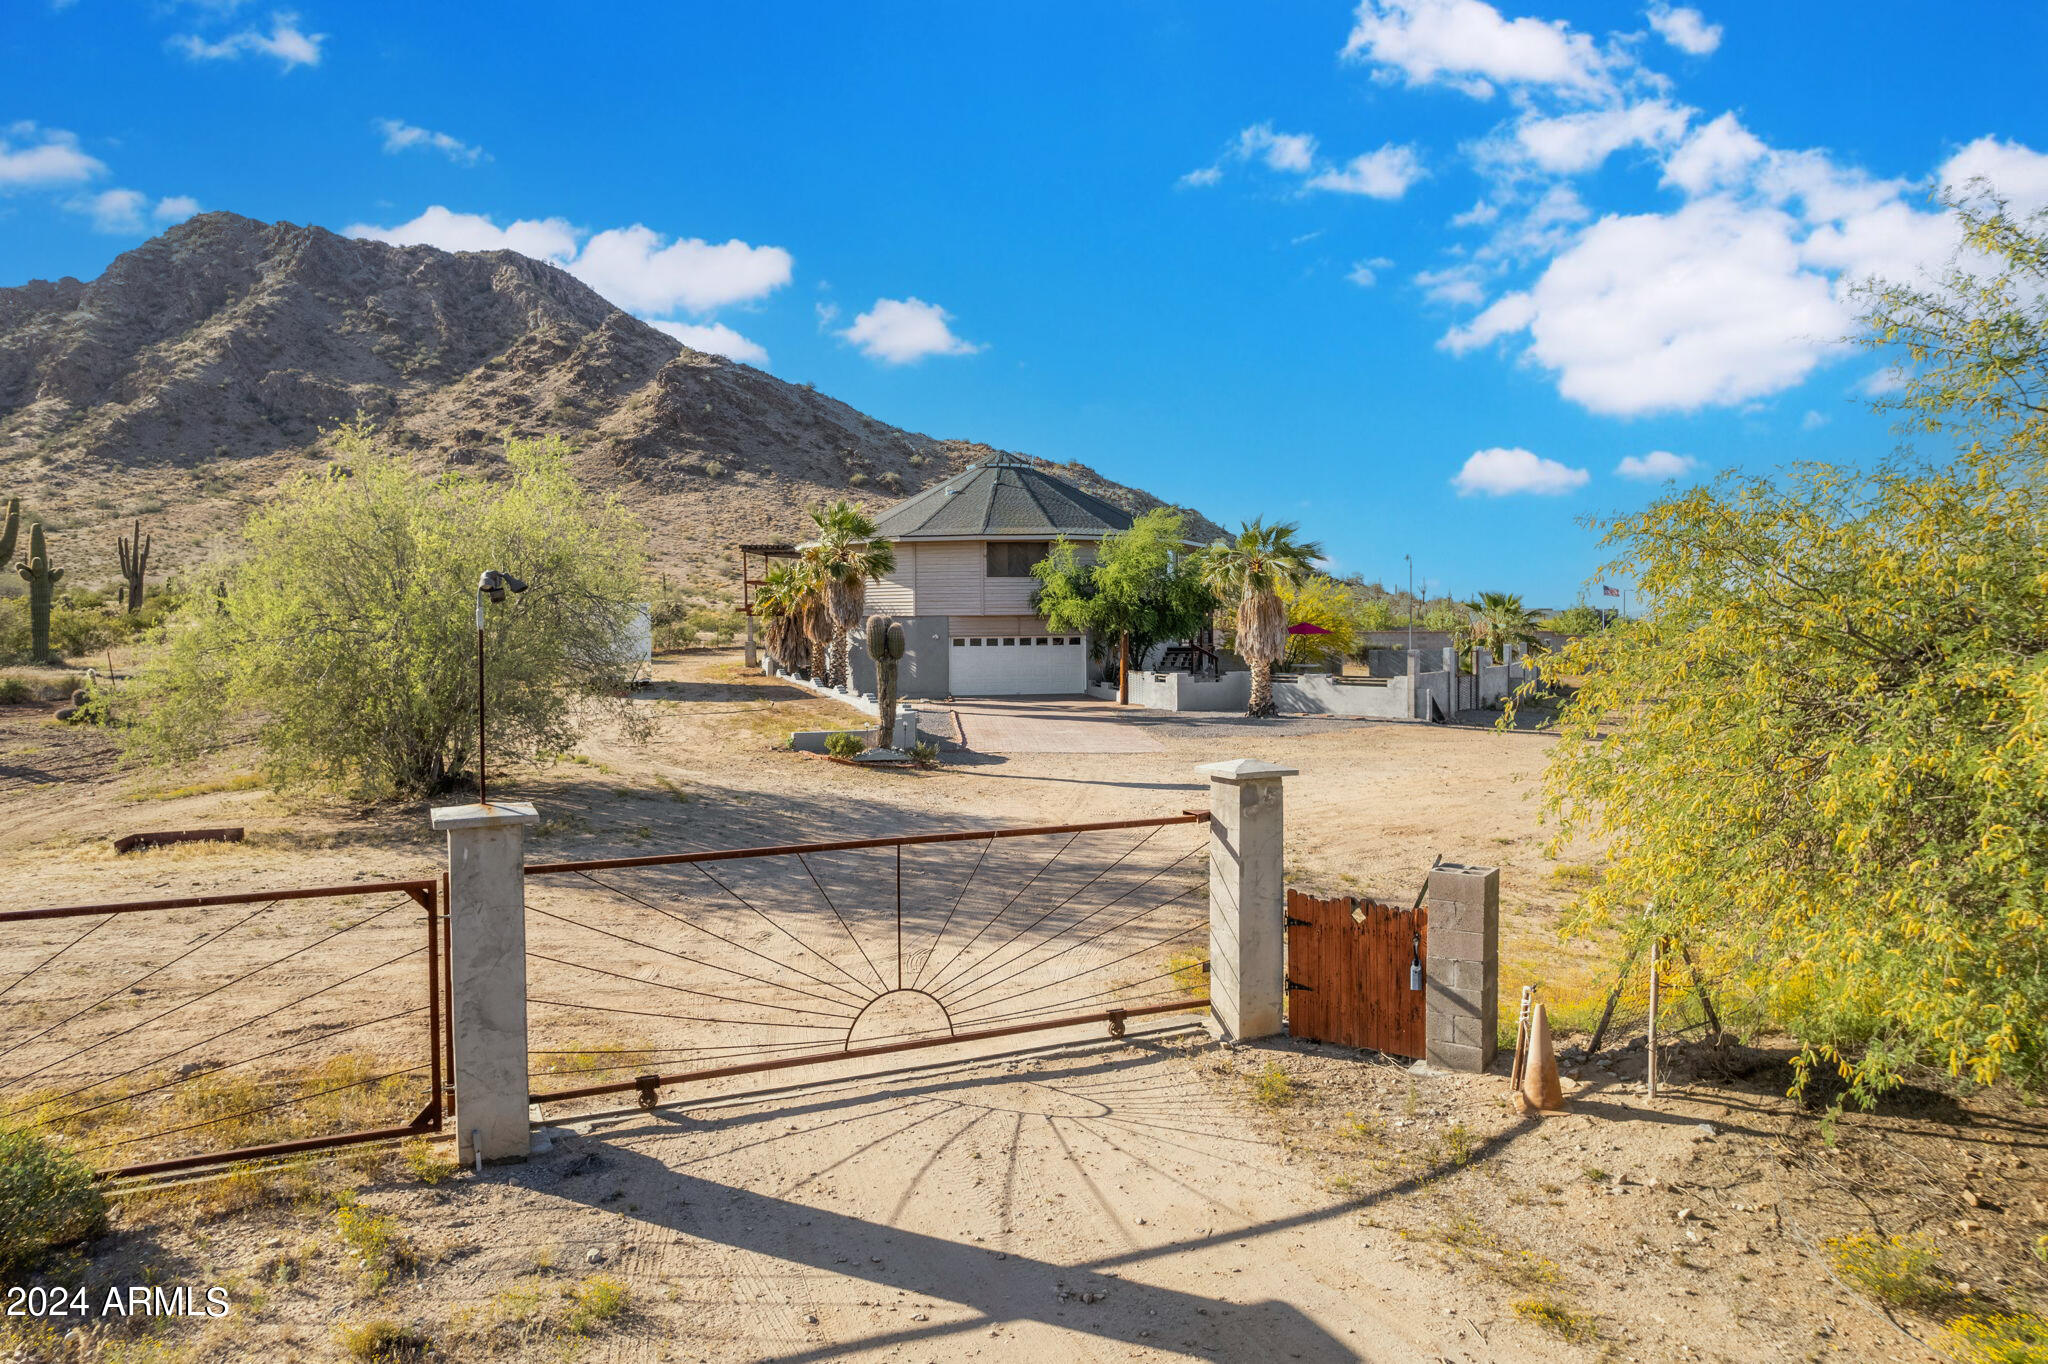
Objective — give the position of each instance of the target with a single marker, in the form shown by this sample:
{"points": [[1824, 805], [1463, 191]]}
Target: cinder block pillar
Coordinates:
{"points": [[487, 974], [1464, 966], [1247, 897], [753, 653]]}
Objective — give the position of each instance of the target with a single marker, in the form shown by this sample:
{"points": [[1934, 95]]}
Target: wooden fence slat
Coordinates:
{"points": [[1350, 959]]}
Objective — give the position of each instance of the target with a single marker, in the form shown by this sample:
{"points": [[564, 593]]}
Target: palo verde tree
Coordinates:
{"points": [[1326, 604], [344, 634], [1819, 756], [1143, 588], [1247, 573]]}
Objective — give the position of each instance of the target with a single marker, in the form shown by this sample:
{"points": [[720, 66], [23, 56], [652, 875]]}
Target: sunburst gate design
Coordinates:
{"points": [[705, 965]]}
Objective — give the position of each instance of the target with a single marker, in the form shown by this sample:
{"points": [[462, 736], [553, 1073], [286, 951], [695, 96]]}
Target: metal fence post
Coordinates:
{"points": [[1247, 897], [487, 975], [1464, 967]]}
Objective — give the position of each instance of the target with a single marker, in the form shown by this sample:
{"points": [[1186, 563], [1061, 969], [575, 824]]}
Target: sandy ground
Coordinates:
{"points": [[1152, 1198]]}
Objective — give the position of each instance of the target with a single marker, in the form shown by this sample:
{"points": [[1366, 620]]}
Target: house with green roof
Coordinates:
{"points": [[963, 587]]}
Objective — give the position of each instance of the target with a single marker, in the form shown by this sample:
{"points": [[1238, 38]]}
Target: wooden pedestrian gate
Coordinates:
{"points": [[1355, 972]]}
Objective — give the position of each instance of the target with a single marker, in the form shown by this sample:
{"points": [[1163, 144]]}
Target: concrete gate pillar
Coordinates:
{"points": [[753, 655], [1247, 897], [1463, 1000], [487, 975]]}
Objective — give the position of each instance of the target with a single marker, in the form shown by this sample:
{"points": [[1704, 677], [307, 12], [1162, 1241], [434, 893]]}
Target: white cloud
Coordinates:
{"points": [[639, 269], [1685, 28], [1365, 273], [1479, 215], [1672, 312], [828, 313], [1384, 174], [291, 45], [635, 267], [548, 239], [115, 211], [1656, 467], [1470, 46], [2018, 173], [1572, 144], [1459, 284], [715, 338], [40, 158], [1502, 471], [400, 136], [1719, 155], [1294, 152], [128, 213], [1812, 421], [1507, 314], [898, 331]]}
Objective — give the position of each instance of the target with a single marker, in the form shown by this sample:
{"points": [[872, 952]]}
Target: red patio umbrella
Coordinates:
{"points": [[1304, 628]]}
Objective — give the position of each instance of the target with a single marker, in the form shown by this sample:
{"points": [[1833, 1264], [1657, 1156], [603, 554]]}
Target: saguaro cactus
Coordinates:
{"points": [[135, 564], [886, 645], [42, 584], [12, 532]]}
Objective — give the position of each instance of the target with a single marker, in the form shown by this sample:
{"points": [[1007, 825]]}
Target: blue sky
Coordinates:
{"points": [[1430, 276]]}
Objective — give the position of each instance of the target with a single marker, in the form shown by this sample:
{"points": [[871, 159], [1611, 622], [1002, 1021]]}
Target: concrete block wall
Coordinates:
{"points": [[1463, 994]]}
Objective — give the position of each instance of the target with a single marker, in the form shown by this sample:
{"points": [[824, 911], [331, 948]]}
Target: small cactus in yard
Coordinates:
{"points": [[886, 645], [134, 564], [42, 588], [12, 532]]}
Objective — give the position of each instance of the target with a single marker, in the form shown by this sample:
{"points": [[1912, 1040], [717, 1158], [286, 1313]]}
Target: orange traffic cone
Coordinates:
{"points": [[1540, 1084]]}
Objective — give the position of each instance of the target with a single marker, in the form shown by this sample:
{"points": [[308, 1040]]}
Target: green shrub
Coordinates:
{"points": [[48, 1198], [844, 744], [924, 753], [15, 692]]}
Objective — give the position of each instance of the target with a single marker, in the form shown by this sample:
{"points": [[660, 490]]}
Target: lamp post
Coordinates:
{"points": [[1411, 602], [493, 585]]}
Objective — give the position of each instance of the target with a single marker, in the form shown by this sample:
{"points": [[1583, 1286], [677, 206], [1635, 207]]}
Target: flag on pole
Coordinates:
{"points": [[1607, 591]]}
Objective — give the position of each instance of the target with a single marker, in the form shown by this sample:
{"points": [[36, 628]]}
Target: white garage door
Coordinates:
{"points": [[1017, 665]]}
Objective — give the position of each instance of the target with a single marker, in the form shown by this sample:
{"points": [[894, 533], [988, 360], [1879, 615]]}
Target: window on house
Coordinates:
{"points": [[1014, 559]]}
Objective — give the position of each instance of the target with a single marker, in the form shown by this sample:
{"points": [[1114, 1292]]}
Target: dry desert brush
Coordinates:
{"points": [[344, 636]]}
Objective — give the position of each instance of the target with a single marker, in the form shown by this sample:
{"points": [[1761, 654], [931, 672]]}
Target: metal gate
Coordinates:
{"points": [[647, 972], [1355, 973], [160, 1035]]}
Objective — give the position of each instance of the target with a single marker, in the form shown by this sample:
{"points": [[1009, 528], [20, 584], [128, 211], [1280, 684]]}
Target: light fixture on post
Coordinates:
{"points": [[492, 585]]}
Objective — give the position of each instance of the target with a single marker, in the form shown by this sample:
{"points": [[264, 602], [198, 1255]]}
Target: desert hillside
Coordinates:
{"points": [[201, 368]]}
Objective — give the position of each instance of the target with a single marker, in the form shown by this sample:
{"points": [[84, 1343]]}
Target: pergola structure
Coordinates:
{"points": [[748, 582]]}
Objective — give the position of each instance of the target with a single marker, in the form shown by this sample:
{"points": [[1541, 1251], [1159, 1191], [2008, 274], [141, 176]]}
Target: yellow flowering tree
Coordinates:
{"points": [[1819, 757]]}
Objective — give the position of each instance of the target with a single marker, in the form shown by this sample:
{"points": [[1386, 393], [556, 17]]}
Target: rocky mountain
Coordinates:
{"points": [[185, 382]]}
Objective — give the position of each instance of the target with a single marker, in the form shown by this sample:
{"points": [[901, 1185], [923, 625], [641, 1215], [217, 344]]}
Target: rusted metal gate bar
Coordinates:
{"points": [[428, 894], [1028, 940]]}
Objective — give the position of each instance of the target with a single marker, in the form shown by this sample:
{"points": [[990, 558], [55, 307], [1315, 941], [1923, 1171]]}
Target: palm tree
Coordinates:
{"points": [[845, 555], [783, 599], [1247, 574], [1499, 620]]}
